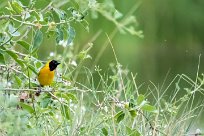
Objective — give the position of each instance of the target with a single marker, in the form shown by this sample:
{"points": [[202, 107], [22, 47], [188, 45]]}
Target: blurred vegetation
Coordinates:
{"points": [[100, 44]]}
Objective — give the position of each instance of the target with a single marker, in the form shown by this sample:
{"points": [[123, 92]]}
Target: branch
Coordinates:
{"points": [[20, 90], [46, 25], [36, 89], [8, 16]]}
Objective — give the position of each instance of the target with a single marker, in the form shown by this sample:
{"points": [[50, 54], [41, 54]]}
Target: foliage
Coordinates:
{"points": [[75, 104]]}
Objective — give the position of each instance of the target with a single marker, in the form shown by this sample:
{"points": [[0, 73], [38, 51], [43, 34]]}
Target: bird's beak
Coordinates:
{"points": [[58, 63]]}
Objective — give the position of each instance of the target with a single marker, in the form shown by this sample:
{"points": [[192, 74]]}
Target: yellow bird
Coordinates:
{"points": [[46, 73]]}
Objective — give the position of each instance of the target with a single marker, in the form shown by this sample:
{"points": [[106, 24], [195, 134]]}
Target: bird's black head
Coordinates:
{"points": [[53, 65]]}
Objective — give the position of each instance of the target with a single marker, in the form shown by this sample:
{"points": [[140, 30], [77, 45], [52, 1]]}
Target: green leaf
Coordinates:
{"points": [[24, 44], [133, 113], [17, 7], [38, 39], [12, 54], [65, 111], [2, 61], [20, 62], [48, 17], [9, 8], [149, 108], [18, 80], [27, 107], [71, 33], [75, 4], [50, 33], [81, 129], [2, 38], [71, 96], [40, 4], [59, 35], [60, 13], [132, 103], [38, 64], [15, 57], [32, 68], [105, 131], [55, 16], [25, 2], [119, 116], [132, 132], [45, 101], [140, 99]]}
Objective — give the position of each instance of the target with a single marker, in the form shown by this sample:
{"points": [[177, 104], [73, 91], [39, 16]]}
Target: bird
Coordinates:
{"points": [[47, 73]]}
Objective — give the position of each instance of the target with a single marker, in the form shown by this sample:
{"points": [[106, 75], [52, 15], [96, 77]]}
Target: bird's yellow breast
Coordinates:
{"points": [[45, 76]]}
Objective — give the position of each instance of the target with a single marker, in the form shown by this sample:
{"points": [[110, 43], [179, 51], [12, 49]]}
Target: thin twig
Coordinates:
{"points": [[20, 90], [36, 90], [46, 25], [8, 16]]}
